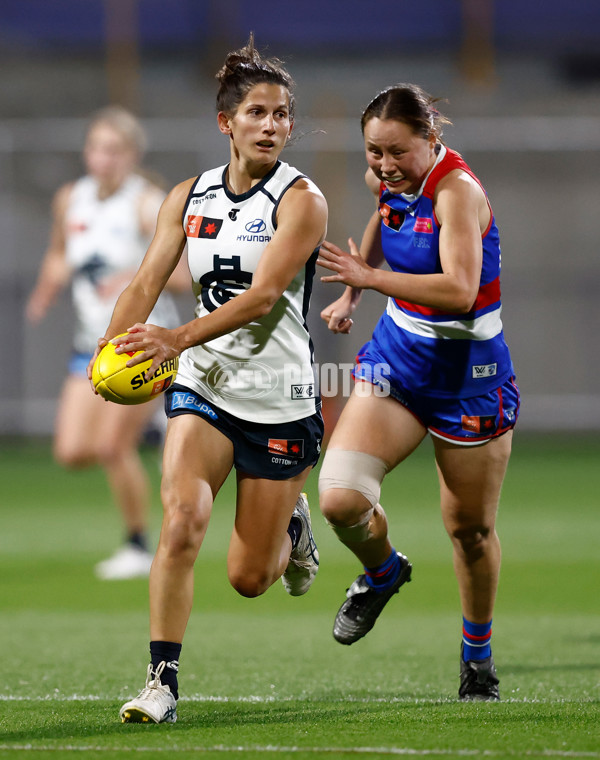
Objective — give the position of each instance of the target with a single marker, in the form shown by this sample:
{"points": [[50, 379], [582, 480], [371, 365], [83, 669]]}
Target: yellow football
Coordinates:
{"points": [[117, 382]]}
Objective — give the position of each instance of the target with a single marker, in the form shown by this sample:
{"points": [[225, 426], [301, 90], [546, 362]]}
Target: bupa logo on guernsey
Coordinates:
{"points": [[423, 224]]}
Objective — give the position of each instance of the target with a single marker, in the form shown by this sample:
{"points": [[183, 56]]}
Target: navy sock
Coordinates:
{"points": [[476, 640], [384, 575], [168, 651], [138, 538], [294, 530]]}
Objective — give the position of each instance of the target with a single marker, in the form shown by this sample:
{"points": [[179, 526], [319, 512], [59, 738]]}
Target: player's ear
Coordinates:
{"points": [[224, 123]]}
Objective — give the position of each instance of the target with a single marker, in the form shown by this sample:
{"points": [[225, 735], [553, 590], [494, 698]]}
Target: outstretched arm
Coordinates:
{"points": [[337, 314], [461, 209]]}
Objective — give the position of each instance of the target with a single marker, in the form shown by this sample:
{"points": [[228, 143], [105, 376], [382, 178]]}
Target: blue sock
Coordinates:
{"points": [[386, 574], [476, 640]]}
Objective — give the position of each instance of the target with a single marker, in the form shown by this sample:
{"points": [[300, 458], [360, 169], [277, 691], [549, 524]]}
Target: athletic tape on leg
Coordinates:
{"points": [[355, 471]]}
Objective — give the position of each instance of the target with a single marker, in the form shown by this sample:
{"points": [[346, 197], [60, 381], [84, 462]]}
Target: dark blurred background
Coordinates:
{"points": [[522, 84]]}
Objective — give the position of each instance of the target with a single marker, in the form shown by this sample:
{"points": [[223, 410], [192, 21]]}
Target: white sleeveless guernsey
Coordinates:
{"points": [[103, 239], [261, 372]]}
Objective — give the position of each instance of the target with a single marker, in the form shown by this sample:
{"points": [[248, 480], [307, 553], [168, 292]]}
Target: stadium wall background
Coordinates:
{"points": [[526, 113]]}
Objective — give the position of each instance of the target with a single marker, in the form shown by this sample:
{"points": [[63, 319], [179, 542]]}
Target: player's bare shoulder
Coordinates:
{"points": [[303, 211], [303, 197], [61, 198], [461, 184], [459, 193], [180, 193], [174, 204]]}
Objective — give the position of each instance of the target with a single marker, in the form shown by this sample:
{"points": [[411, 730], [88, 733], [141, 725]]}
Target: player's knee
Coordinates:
{"points": [[183, 529], [72, 457], [471, 540], [349, 489], [249, 583], [344, 507], [111, 452]]}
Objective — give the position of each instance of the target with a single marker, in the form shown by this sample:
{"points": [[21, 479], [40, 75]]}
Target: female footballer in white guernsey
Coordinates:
{"points": [[437, 363], [102, 226], [244, 397]]}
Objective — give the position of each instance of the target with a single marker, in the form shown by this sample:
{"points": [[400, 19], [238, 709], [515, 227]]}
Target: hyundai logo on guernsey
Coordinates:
{"points": [[255, 230], [256, 226]]}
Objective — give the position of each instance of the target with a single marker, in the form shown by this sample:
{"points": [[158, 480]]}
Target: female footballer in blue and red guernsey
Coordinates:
{"points": [[437, 364]]}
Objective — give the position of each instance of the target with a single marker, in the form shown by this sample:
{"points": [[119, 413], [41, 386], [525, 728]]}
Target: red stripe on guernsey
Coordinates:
{"points": [[476, 638], [488, 294], [452, 160]]}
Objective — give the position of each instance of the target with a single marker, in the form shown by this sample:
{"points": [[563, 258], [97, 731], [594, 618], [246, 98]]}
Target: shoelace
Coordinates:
{"points": [[153, 687]]}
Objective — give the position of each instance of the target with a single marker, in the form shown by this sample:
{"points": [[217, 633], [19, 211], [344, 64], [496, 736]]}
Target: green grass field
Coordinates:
{"points": [[264, 678]]}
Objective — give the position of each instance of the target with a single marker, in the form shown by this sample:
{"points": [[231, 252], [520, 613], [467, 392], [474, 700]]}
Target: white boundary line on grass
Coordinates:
{"points": [[256, 699], [380, 751]]}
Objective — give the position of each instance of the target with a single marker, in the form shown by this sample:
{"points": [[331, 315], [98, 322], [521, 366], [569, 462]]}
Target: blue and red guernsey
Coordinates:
{"points": [[431, 351]]}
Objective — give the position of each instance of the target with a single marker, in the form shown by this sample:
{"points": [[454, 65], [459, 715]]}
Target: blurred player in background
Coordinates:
{"points": [[244, 396], [102, 225], [437, 363]]}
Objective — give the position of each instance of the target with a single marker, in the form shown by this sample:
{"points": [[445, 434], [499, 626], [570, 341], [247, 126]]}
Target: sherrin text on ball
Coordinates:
{"points": [[117, 382]]}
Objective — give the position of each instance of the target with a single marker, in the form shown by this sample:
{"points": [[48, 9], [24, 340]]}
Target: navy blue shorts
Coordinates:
{"points": [[275, 452], [464, 421]]}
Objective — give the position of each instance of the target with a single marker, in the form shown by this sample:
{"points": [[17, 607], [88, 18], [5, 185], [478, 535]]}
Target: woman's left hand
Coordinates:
{"points": [[156, 343], [349, 268]]}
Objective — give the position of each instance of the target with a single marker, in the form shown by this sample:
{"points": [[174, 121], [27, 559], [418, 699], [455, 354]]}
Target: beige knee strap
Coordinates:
{"points": [[355, 471]]}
